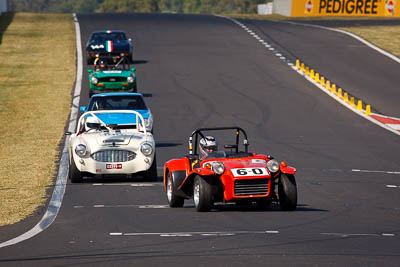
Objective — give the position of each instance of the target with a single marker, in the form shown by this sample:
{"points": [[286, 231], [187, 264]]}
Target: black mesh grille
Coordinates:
{"points": [[112, 79], [247, 187]]}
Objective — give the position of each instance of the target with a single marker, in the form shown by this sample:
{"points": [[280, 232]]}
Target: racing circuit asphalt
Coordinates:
{"points": [[204, 71]]}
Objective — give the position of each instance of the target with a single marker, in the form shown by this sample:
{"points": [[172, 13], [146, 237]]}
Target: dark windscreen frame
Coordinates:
{"points": [[198, 132]]}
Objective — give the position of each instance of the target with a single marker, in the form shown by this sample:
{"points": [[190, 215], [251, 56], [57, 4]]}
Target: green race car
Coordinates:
{"points": [[113, 75]]}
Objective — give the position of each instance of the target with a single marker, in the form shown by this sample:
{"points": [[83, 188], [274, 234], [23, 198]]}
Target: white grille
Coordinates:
{"points": [[113, 156]]}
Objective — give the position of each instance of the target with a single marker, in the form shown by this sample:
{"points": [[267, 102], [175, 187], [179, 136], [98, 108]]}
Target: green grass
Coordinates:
{"points": [[37, 72]]}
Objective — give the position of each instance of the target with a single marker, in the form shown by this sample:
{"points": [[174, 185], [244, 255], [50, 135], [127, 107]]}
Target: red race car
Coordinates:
{"points": [[214, 176]]}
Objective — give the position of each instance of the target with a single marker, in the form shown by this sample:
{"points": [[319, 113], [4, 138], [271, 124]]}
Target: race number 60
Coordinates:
{"points": [[250, 172]]}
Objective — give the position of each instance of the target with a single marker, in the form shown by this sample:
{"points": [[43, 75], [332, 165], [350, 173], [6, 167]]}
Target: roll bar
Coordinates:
{"points": [[198, 132]]}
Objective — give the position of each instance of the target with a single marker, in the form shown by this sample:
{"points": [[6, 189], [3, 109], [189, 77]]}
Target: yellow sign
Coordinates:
{"points": [[374, 8]]}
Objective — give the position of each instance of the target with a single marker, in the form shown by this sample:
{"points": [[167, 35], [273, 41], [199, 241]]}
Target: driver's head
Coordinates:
{"points": [[102, 64], [92, 123], [208, 145]]}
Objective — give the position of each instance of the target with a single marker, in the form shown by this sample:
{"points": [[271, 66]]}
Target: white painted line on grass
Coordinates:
{"points": [[59, 189]]}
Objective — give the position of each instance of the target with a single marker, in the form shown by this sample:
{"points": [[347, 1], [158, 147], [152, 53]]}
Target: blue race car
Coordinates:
{"points": [[110, 44], [120, 101]]}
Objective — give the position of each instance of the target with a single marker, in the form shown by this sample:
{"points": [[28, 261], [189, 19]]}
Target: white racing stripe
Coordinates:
{"points": [[59, 189]]}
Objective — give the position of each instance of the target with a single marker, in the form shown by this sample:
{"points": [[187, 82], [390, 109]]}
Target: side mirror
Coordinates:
{"points": [[90, 70], [83, 108], [133, 69]]}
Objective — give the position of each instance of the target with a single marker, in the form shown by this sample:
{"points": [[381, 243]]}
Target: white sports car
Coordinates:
{"points": [[108, 143]]}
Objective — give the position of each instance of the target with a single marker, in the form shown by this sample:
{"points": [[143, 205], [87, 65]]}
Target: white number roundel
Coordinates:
{"points": [[256, 171]]}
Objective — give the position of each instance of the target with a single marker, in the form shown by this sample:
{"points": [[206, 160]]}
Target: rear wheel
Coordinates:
{"points": [[287, 191], [74, 174], [202, 194], [173, 200]]}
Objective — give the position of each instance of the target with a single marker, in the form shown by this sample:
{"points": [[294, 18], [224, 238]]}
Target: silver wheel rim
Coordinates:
{"points": [[196, 194], [169, 190]]}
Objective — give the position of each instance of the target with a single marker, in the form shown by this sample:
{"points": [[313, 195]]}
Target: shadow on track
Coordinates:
{"points": [[5, 21]]}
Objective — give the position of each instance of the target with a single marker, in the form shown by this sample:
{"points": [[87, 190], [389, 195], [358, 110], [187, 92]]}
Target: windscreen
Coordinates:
{"points": [[103, 36], [131, 102]]}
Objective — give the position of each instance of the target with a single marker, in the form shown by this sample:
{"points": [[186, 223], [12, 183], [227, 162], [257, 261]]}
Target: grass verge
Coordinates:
{"points": [[37, 72]]}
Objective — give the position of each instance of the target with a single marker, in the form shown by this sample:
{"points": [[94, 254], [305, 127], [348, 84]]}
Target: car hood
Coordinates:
{"points": [[102, 46], [98, 140], [242, 163], [112, 73], [122, 118]]}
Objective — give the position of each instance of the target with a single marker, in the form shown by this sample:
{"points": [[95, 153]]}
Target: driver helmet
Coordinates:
{"points": [[208, 145], [100, 64], [92, 123]]}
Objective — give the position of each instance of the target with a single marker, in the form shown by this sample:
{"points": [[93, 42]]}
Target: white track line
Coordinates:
{"points": [[383, 52], [59, 189], [292, 66], [188, 234], [374, 171]]}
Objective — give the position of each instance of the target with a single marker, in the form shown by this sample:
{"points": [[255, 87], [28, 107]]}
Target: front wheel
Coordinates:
{"points": [[74, 174], [287, 191], [174, 201], [202, 194]]}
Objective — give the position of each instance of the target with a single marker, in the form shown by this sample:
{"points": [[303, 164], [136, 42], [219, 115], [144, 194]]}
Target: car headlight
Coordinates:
{"points": [[218, 167], [146, 149], [80, 150], [130, 79], [94, 80], [273, 165], [148, 123]]}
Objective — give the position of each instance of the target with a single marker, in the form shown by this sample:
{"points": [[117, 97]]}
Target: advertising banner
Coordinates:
{"points": [[373, 8]]}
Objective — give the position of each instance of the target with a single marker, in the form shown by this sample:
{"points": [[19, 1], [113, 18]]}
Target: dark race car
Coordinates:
{"points": [[108, 43], [228, 176]]}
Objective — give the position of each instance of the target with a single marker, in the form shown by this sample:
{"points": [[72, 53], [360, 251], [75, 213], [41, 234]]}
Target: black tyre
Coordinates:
{"points": [[135, 88], [202, 194], [151, 174], [287, 191], [173, 200], [75, 176]]}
